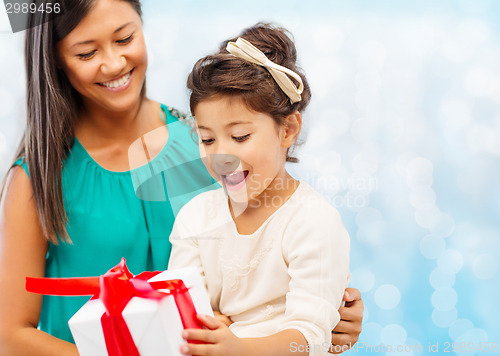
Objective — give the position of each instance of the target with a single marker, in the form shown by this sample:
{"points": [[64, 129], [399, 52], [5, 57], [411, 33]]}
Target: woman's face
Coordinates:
{"points": [[105, 56]]}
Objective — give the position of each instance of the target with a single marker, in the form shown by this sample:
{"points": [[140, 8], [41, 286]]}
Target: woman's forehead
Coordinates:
{"points": [[105, 18]]}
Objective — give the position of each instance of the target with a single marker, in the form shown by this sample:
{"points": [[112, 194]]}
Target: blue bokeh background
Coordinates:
{"points": [[402, 136]]}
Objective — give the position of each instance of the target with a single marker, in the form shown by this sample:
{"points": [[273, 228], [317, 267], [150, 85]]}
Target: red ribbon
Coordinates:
{"points": [[115, 289]]}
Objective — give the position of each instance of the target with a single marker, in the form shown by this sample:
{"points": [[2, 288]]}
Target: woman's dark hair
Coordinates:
{"points": [[53, 106], [224, 74]]}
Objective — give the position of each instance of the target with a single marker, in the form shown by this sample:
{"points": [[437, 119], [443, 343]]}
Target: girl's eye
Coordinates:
{"points": [[87, 55], [207, 141], [126, 40], [241, 138]]}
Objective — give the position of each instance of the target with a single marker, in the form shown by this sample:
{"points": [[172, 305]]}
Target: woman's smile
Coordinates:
{"points": [[119, 84]]}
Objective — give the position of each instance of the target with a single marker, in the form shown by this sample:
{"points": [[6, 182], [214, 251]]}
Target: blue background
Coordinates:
{"points": [[402, 136]]}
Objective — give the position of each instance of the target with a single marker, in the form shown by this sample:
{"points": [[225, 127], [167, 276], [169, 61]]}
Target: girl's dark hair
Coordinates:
{"points": [[53, 106], [224, 74]]}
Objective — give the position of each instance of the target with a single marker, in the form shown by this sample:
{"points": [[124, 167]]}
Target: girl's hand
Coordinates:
{"points": [[219, 339], [223, 318], [347, 331]]}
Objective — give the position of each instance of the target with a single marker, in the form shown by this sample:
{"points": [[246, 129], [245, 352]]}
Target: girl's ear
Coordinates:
{"points": [[290, 129]]}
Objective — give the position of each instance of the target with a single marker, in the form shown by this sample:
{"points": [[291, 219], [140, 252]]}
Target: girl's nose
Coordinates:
{"points": [[224, 163]]}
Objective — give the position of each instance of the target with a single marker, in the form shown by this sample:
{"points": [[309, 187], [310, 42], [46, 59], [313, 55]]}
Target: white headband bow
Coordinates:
{"points": [[244, 49]]}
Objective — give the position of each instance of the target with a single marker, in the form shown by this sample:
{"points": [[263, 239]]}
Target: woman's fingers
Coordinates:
{"points": [[346, 332], [342, 339], [352, 314], [351, 294], [343, 327]]}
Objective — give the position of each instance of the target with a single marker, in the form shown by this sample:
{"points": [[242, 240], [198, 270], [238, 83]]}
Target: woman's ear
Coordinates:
{"points": [[290, 129]]}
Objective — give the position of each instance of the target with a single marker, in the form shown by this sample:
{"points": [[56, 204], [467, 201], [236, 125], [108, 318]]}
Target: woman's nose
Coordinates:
{"points": [[113, 63]]}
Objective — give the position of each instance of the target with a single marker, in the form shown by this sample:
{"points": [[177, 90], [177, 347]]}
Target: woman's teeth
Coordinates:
{"points": [[117, 83]]}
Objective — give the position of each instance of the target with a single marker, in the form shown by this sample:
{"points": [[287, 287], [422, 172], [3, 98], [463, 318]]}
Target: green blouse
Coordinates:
{"points": [[121, 214]]}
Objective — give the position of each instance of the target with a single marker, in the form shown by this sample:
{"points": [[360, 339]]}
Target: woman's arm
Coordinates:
{"points": [[346, 332], [23, 250]]}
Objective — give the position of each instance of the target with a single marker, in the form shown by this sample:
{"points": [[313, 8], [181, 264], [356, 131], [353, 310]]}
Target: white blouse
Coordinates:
{"points": [[289, 274]]}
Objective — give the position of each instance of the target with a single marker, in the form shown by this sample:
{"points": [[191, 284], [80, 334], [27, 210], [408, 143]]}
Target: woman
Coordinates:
{"points": [[71, 205]]}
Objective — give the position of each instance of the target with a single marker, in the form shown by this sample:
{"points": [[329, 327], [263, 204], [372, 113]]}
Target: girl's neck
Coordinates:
{"points": [[249, 217]]}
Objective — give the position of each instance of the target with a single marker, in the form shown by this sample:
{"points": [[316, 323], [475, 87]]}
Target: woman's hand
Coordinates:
{"points": [[347, 331], [219, 340], [223, 318]]}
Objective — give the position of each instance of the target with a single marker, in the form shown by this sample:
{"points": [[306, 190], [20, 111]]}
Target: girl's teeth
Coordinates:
{"points": [[235, 178], [117, 83]]}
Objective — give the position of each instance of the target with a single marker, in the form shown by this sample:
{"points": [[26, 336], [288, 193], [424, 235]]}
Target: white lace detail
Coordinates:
{"points": [[269, 312], [233, 270]]}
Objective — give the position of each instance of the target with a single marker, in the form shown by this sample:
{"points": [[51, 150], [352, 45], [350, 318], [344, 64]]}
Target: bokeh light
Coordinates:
{"points": [[402, 136]]}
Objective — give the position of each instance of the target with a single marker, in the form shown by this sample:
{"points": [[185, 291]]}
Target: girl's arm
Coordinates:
{"points": [[185, 251], [23, 250], [221, 341]]}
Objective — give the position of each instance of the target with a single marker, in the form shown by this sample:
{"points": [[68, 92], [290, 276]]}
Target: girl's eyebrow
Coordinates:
{"points": [[92, 41], [231, 124]]}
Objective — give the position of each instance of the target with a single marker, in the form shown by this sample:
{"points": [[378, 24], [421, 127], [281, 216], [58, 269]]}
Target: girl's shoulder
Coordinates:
{"points": [[308, 204]]}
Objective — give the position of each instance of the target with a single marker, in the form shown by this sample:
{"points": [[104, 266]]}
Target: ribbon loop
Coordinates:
{"points": [[245, 50]]}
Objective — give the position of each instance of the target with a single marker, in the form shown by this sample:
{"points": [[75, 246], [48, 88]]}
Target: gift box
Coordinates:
{"points": [[132, 315]]}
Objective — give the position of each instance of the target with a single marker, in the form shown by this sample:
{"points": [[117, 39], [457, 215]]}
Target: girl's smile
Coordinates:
{"points": [[236, 180]]}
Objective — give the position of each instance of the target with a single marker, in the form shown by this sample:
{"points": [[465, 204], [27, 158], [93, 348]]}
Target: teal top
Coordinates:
{"points": [[120, 214]]}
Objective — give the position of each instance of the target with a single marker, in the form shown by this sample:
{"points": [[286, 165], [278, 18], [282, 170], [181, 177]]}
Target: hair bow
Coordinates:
{"points": [[245, 50]]}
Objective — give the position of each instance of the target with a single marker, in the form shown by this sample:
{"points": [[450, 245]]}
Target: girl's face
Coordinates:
{"points": [[105, 57], [243, 150]]}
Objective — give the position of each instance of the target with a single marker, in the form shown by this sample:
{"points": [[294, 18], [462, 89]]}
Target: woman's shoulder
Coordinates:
{"points": [[176, 113], [21, 161], [17, 181]]}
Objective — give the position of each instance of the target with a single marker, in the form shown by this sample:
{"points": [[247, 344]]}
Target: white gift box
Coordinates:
{"points": [[155, 325]]}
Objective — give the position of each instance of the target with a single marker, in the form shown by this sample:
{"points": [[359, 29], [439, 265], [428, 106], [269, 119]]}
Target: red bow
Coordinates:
{"points": [[115, 289]]}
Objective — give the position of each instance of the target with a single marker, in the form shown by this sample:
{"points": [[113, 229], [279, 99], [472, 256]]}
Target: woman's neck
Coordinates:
{"points": [[98, 124]]}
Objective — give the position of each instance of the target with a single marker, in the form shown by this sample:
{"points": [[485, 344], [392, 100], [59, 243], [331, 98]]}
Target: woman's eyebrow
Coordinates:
{"points": [[91, 41]]}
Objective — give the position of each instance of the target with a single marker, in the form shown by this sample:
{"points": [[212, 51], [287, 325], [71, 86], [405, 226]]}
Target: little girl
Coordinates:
{"points": [[273, 252]]}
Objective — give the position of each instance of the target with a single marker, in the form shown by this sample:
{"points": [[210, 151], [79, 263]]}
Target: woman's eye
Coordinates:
{"points": [[87, 55], [207, 141], [241, 138], [126, 40]]}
